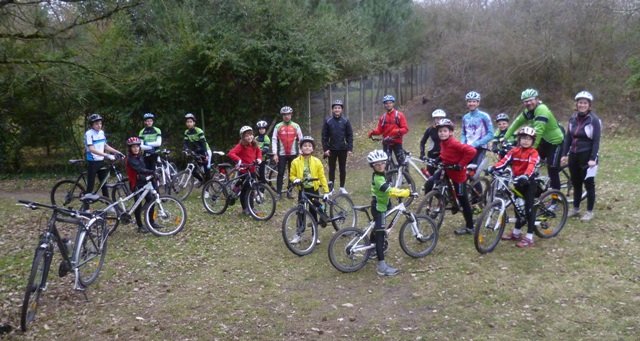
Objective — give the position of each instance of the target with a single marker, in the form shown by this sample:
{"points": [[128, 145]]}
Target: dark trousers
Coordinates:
{"points": [[396, 149], [378, 235], [578, 165], [480, 152], [138, 212], [284, 161], [341, 157], [93, 168], [150, 161], [463, 198], [529, 193], [551, 153]]}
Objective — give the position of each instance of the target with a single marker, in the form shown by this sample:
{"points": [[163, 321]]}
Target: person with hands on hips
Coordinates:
{"points": [[523, 160], [392, 125], [96, 150], [337, 142]]}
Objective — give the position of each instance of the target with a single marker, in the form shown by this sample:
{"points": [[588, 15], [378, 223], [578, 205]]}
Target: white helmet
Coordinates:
{"points": [[529, 131], [438, 113], [472, 96], [586, 95], [245, 129], [261, 124], [286, 110], [377, 156]]}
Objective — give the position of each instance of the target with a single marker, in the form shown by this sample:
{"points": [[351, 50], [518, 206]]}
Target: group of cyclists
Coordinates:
{"points": [[535, 132]]}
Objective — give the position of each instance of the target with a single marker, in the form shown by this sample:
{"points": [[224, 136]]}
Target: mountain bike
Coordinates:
{"points": [[300, 229], [350, 248], [550, 209], [166, 169], [270, 172], [85, 260], [218, 195], [185, 180]]}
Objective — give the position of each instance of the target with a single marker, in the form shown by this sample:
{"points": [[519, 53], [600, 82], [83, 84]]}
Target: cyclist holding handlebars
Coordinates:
{"points": [[137, 173], [246, 152], [96, 149], [392, 125]]}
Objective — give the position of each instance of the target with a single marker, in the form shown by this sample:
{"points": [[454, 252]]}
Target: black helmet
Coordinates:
{"points": [[95, 117], [308, 139]]}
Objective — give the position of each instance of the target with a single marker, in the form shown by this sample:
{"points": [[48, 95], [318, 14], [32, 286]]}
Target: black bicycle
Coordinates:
{"points": [[85, 259]]}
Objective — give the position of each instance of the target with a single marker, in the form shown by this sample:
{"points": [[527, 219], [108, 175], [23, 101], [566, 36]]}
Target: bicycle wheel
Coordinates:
{"points": [[91, 248], [433, 206], [182, 185], [407, 182], [419, 240], [551, 213], [478, 194], [165, 218], [35, 286], [342, 208], [67, 193], [214, 197], [261, 203], [299, 231], [111, 216], [348, 249], [489, 227]]}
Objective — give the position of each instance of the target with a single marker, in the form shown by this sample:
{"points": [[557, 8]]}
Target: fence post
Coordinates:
{"points": [[346, 98], [309, 108], [361, 102]]}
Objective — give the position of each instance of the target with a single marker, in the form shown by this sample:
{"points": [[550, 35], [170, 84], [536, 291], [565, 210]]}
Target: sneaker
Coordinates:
{"points": [[512, 236], [587, 216], [343, 191], [295, 240], [142, 229], [573, 213], [463, 231], [318, 241], [386, 270], [525, 243]]}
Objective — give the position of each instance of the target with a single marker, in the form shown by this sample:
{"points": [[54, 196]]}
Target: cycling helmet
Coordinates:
{"points": [[94, 117], [337, 102], [261, 124], [286, 110], [133, 141], [377, 156], [529, 131], [502, 117], [445, 122], [438, 113], [472, 96], [586, 95], [388, 98], [148, 115], [245, 129], [190, 116], [308, 139], [529, 94]]}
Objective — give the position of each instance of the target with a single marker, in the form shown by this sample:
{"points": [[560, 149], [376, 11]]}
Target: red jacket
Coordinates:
{"points": [[522, 161], [454, 152], [248, 154], [391, 124]]}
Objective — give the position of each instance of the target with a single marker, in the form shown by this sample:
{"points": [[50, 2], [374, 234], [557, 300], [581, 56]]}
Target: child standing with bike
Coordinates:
{"points": [[194, 140], [137, 173], [307, 166], [431, 135], [381, 192], [97, 150], [456, 156], [523, 160], [502, 121], [264, 142], [246, 152]]}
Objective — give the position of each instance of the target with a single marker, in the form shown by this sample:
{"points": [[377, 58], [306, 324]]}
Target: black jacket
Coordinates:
{"points": [[583, 135], [430, 133], [337, 134]]}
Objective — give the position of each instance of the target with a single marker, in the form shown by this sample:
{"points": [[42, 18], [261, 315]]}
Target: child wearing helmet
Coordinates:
{"points": [[151, 138], [477, 129], [307, 166], [195, 141], [392, 125], [431, 136], [456, 156], [137, 173], [502, 122], [284, 145], [96, 150], [381, 191], [264, 142], [523, 160], [246, 152]]}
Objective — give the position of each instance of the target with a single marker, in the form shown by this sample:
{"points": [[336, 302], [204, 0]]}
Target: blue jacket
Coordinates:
{"points": [[477, 129]]}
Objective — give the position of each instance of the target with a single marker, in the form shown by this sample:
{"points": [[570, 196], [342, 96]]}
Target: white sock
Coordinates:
{"points": [[530, 236]]}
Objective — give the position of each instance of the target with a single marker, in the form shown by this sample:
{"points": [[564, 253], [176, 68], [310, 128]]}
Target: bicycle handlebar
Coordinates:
{"points": [[73, 213]]}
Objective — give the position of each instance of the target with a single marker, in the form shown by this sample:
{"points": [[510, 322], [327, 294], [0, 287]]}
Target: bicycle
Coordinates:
{"points": [[350, 248], [399, 175], [184, 181], [300, 229], [85, 260], [167, 171], [65, 192], [442, 195], [168, 214], [218, 195], [550, 209], [270, 172]]}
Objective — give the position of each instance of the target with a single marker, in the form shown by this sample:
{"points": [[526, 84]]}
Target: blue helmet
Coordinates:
{"points": [[148, 115], [388, 98]]}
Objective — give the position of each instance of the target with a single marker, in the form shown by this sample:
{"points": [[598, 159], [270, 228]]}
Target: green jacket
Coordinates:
{"points": [[382, 191], [543, 121]]}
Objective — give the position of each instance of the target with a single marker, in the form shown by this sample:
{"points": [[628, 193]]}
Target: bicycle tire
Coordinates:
{"points": [[182, 185], [35, 286], [111, 217], [260, 202], [271, 175], [407, 181], [544, 214], [422, 243], [214, 197], [341, 245], [489, 227], [169, 216], [295, 223], [91, 249], [433, 206], [342, 206], [67, 193]]}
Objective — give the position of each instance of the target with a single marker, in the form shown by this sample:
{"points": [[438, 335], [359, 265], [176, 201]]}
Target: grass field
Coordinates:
{"points": [[229, 277]]}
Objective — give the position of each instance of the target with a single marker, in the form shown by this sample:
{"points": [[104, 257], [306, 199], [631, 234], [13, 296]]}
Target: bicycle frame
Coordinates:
{"points": [[146, 189]]}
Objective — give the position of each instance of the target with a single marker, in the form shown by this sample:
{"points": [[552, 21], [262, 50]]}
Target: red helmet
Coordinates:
{"points": [[133, 141]]}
